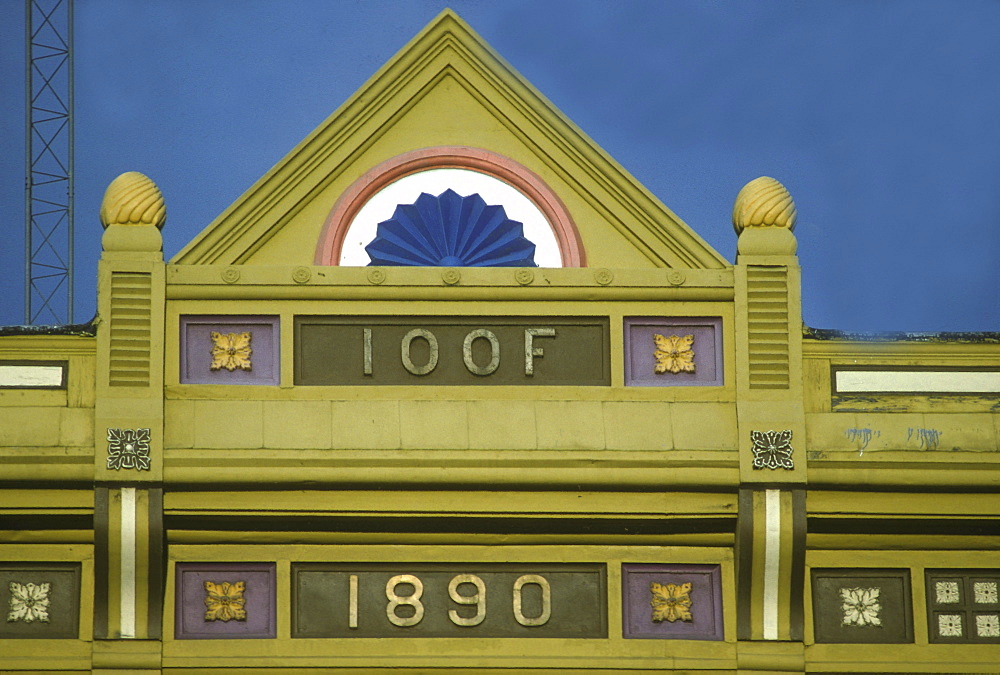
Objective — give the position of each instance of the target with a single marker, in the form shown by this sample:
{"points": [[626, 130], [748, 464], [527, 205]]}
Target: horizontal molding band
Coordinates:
{"points": [[440, 293], [279, 275], [208, 537], [889, 475], [599, 476], [974, 527], [453, 524]]}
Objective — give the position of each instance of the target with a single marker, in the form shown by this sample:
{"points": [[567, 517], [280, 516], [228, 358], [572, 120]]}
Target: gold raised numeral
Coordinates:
{"points": [[352, 616], [411, 600], [541, 582], [478, 599]]}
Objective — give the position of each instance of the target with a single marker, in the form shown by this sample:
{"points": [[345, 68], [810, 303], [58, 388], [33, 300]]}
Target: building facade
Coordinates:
{"points": [[448, 390]]}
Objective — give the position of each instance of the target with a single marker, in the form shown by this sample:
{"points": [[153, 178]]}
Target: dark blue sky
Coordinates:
{"points": [[881, 118]]}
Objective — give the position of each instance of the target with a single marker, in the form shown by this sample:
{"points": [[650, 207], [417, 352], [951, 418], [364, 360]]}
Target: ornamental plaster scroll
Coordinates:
{"points": [[231, 351], [673, 354], [861, 606], [128, 449], [224, 601], [29, 602], [947, 592], [988, 625], [670, 602], [772, 449], [949, 625], [985, 592]]}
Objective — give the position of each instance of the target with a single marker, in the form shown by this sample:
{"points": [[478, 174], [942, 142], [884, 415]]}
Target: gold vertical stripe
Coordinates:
{"points": [[128, 562], [772, 563]]}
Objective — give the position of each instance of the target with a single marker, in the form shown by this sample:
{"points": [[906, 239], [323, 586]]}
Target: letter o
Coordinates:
{"points": [[494, 363], [432, 342]]}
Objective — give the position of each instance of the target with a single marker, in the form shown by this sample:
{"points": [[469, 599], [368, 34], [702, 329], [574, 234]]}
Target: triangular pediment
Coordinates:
{"points": [[447, 87]]}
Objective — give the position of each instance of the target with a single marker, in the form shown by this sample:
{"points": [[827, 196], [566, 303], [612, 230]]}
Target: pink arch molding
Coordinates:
{"points": [[331, 239]]}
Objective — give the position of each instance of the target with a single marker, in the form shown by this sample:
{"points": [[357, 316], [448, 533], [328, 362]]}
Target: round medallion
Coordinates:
{"points": [[604, 277], [376, 275], [675, 277], [451, 276], [524, 276], [230, 275]]}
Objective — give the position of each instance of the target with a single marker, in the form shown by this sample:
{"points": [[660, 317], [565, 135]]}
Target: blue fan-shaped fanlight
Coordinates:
{"points": [[451, 231]]}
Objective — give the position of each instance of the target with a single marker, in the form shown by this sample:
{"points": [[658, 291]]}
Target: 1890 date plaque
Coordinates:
{"points": [[332, 600], [436, 350]]}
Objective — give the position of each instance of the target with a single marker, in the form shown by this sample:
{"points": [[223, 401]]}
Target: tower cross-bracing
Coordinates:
{"points": [[48, 276]]}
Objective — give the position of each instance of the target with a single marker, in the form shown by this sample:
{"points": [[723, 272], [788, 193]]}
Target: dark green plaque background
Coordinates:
{"points": [[320, 600], [894, 598], [64, 599], [330, 351]]}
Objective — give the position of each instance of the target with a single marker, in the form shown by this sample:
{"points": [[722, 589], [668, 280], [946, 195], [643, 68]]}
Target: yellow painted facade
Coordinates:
{"points": [[808, 465]]}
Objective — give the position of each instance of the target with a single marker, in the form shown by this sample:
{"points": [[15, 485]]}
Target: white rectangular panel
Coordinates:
{"points": [[918, 381], [28, 376]]}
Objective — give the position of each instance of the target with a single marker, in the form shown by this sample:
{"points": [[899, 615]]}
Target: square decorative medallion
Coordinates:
{"points": [[672, 602], [39, 600], [225, 349], [225, 600], [862, 605], [963, 605], [673, 351]]}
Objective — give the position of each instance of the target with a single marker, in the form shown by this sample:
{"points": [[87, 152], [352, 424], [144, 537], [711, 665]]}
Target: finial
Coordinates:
{"points": [[763, 202], [133, 199]]}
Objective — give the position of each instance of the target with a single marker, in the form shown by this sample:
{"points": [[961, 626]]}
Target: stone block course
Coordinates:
{"points": [[638, 425], [228, 424], [575, 425]]}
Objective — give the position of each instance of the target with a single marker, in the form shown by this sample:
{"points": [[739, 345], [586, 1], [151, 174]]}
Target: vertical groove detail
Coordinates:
{"points": [[157, 565], [130, 329], [744, 565], [767, 319], [101, 562], [796, 616]]}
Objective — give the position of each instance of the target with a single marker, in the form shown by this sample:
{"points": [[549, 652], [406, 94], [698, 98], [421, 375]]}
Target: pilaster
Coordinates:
{"points": [[770, 542], [128, 419]]}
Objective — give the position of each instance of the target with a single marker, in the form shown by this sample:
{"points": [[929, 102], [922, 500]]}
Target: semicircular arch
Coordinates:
{"points": [[330, 246]]}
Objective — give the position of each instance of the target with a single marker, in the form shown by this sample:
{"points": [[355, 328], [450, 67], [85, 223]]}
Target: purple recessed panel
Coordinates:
{"points": [[640, 349], [705, 596], [259, 597], [196, 349]]}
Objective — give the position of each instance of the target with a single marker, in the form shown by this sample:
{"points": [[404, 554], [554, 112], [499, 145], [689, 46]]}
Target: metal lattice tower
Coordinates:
{"points": [[48, 278]]}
